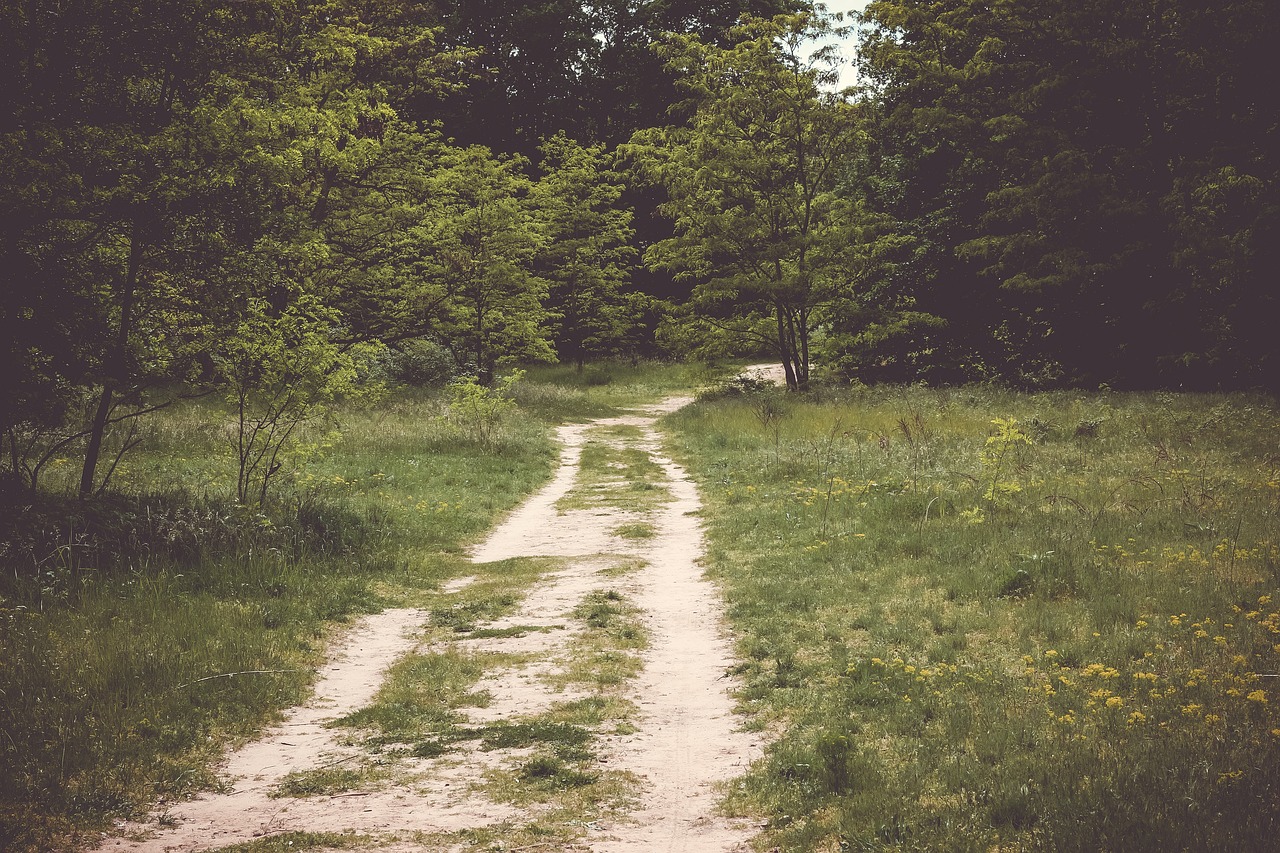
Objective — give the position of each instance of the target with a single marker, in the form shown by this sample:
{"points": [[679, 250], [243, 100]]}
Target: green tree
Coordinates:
{"points": [[167, 164], [587, 255], [477, 244], [750, 181], [1087, 201], [284, 370]]}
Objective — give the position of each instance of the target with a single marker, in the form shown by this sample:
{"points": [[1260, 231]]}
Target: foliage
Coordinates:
{"points": [[750, 181], [1086, 204], [479, 244], [588, 253], [282, 373], [478, 410]]}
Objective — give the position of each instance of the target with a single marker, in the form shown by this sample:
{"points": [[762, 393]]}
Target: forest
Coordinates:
{"points": [[230, 196], [294, 293]]}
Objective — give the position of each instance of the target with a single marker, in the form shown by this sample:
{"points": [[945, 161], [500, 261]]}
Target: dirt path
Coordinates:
{"points": [[679, 744]]}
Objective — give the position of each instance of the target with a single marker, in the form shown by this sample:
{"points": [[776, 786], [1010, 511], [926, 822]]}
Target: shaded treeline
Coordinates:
{"points": [[273, 199]]}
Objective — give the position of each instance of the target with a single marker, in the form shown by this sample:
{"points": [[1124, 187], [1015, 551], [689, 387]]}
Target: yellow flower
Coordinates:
{"points": [[1115, 702], [1259, 696], [1137, 717]]}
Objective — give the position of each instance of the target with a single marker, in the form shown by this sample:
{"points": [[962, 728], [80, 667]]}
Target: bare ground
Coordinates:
{"points": [[681, 744]]}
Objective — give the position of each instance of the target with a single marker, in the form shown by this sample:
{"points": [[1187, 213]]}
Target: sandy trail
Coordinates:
{"points": [[686, 742]]}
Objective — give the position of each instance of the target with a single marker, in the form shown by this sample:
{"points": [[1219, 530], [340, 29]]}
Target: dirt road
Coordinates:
{"points": [[675, 743]]}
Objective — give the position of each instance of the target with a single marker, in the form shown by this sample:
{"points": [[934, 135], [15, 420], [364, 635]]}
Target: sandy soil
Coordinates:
{"points": [[687, 740]]}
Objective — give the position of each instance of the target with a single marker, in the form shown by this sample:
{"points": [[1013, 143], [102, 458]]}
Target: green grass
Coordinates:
{"points": [[290, 842], [144, 632], [561, 393], [971, 641], [612, 474]]}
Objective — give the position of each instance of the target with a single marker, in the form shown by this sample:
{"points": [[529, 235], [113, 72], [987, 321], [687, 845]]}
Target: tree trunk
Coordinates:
{"points": [[116, 367], [784, 350]]}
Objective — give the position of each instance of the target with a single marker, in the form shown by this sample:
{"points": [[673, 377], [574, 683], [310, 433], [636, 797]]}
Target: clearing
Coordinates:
{"points": [[620, 623]]}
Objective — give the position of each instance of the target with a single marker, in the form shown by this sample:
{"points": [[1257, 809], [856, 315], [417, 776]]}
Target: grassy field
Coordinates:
{"points": [[143, 632], [969, 619], [979, 620]]}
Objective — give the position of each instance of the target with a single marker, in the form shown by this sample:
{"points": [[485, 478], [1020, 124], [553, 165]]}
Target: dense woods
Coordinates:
{"points": [[1047, 194]]}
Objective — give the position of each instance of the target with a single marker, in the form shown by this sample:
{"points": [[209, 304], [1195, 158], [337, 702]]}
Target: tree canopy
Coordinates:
{"points": [[1046, 194]]}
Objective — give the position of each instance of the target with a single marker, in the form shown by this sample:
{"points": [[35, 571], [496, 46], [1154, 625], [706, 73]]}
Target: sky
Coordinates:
{"points": [[846, 6]]}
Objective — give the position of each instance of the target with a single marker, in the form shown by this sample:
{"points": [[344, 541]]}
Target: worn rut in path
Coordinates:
{"points": [[680, 742]]}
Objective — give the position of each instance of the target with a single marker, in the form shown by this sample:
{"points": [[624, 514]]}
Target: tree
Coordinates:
{"points": [[166, 165], [587, 255], [750, 180], [1085, 183], [477, 243], [284, 370]]}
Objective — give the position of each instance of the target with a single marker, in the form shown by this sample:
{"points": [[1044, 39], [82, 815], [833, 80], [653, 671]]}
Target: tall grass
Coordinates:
{"points": [[983, 620], [141, 633]]}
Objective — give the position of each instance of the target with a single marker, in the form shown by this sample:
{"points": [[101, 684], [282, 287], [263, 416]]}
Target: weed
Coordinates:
{"points": [[639, 530], [550, 772], [319, 782]]}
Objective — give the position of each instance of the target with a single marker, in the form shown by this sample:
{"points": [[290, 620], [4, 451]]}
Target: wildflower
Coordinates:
{"points": [[1115, 702], [1192, 710], [1212, 719], [1137, 717], [1142, 623], [1258, 696], [1051, 654]]}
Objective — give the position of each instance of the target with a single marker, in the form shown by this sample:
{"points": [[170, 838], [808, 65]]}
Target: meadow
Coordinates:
{"points": [[966, 618], [981, 620], [143, 632]]}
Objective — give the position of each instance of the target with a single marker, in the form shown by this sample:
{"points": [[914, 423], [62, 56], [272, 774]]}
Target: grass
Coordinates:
{"points": [[144, 632], [981, 620], [290, 842], [605, 654], [614, 475]]}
